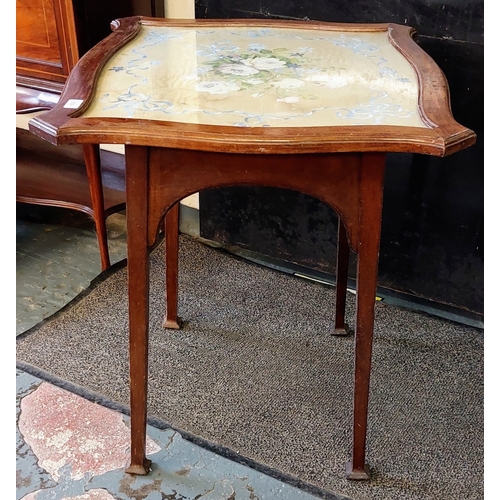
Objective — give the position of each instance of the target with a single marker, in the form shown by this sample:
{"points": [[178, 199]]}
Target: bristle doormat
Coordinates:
{"points": [[256, 375]]}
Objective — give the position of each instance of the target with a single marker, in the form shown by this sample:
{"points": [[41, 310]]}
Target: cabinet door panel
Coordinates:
{"points": [[36, 32], [46, 43]]}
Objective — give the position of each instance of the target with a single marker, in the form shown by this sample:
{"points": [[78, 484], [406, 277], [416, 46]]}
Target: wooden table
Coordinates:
{"points": [[307, 106]]}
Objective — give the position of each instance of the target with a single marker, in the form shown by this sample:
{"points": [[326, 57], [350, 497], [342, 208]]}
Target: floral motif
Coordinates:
{"points": [[217, 87], [237, 69], [288, 83], [293, 74], [265, 65]]}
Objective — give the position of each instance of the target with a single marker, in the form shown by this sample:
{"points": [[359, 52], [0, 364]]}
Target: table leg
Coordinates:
{"points": [[91, 154], [358, 181], [172, 267], [371, 187], [136, 158], [340, 327]]}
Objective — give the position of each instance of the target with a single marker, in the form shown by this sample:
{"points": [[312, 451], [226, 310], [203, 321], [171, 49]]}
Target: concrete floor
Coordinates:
{"points": [[70, 448]]}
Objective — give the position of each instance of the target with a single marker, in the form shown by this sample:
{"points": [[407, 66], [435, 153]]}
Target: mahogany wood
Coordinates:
{"points": [[444, 135], [341, 166], [29, 100], [350, 174], [340, 326], [91, 153], [137, 164], [57, 176], [52, 34], [46, 42], [171, 320], [371, 187]]}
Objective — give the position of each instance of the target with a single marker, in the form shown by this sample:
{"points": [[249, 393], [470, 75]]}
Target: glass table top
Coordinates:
{"points": [[258, 77]]}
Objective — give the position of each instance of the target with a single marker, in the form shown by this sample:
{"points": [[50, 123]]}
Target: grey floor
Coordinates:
{"points": [[56, 258]]}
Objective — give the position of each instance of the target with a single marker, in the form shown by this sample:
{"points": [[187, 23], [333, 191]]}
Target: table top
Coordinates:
{"points": [[258, 77], [257, 86]]}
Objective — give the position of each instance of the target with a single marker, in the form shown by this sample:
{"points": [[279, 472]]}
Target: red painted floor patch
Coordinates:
{"points": [[63, 428]]}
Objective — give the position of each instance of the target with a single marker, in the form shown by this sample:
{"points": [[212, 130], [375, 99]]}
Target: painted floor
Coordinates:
{"points": [[70, 448]]}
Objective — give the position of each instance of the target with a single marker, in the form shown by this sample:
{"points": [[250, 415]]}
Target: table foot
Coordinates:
{"points": [[140, 470], [172, 324], [343, 331], [357, 474]]}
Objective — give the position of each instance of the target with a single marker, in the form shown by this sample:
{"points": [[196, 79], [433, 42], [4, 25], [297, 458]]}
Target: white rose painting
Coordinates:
{"points": [[217, 87], [262, 78]]}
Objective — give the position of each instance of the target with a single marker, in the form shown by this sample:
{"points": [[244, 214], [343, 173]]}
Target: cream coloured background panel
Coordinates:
{"points": [[179, 9]]}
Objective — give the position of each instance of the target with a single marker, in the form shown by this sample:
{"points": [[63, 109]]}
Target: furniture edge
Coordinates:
{"points": [[443, 136]]}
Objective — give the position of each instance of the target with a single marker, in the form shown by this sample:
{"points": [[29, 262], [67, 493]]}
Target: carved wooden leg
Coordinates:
{"points": [[340, 327], [136, 158], [91, 154], [172, 264], [371, 186]]}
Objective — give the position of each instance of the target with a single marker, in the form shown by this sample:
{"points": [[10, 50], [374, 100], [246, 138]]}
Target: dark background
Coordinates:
{"points": [[432, 227], [93, 17]]}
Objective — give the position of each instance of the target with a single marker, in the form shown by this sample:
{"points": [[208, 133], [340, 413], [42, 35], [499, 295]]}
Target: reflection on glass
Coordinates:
{"points": [[259, 77]]}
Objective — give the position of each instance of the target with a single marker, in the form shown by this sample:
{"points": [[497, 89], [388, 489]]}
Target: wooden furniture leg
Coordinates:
{"points": [[136, 158], [370, 215], [340, 327], [359, 182], [91, 153], [172, 267]]}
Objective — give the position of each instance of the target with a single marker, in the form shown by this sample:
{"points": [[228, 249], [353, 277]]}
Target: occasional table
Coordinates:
{"points": [[307, 106]]}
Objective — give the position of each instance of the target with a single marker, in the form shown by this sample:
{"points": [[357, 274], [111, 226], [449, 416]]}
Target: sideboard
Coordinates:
{"points": [[51, 35]]}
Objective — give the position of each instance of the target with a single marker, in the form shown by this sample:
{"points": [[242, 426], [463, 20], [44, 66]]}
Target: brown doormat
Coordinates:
{"points": [[256, 375]]}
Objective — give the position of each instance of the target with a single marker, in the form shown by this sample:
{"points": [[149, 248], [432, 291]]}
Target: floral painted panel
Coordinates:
{"points": [[259, 77]]}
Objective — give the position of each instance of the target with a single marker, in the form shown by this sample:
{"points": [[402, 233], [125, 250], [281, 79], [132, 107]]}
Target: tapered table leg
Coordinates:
{"points": [[340, 327], [171, 320], [136, 158], [91, 154], [371, 186]]}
